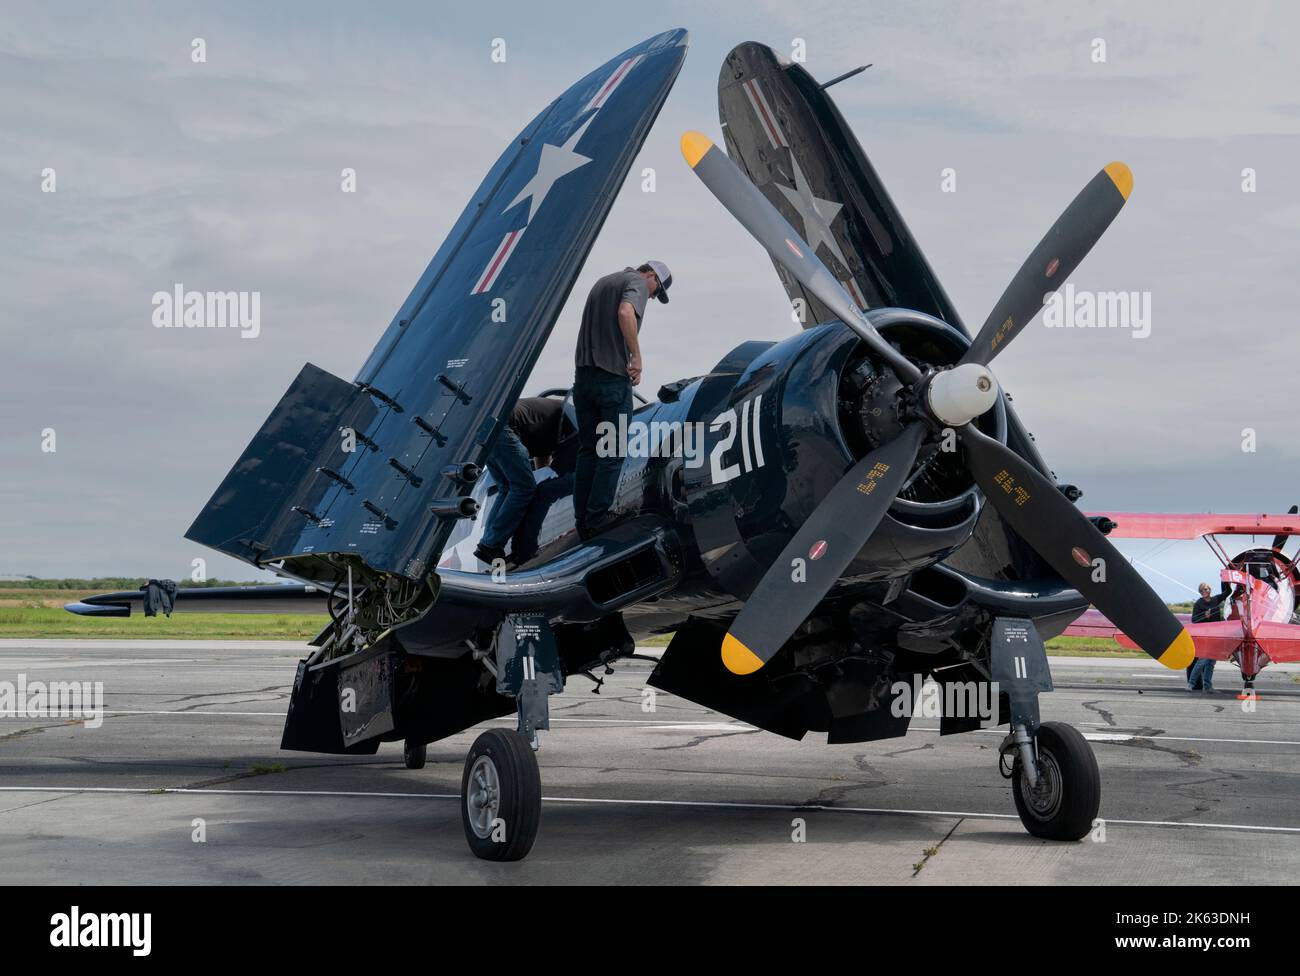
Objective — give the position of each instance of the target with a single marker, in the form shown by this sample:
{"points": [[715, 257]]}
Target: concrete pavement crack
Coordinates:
{"points": [[703, 738], [930, 852], [1095, 706]]}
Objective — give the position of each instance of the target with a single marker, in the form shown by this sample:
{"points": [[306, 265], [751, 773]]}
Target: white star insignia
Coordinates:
{"points": [[554, 163], [816, 213]]}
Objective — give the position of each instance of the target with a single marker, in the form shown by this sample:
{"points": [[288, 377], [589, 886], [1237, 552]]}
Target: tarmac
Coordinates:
{"points": [[184, 783]]}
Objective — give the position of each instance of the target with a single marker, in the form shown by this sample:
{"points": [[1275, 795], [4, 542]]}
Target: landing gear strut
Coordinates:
{"points": [[1248, 692], [501, 788], [1053, 772]]}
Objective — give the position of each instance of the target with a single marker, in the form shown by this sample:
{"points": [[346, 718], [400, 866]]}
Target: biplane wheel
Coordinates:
{"points": [[1065, 803], [501, 796], [414, 755]]}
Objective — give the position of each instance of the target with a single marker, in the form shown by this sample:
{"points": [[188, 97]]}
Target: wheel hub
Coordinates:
{"points": [[1044, 799], [483, 797]]}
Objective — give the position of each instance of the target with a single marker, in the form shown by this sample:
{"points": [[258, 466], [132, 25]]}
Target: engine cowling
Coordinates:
{"points": [[783, 422]]}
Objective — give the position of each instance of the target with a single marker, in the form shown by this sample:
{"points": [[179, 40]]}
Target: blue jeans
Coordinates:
{"points": [[598, 397], [1202, 675], [524, 543], [513, 473]]}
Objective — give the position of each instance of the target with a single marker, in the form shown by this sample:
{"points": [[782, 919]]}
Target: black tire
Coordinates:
{"points": [[506, 757], [413, 755], [1071, 796]]}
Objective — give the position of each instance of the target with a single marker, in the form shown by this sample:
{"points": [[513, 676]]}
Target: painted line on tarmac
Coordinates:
{"points": [[729, 726], [610, 801], [47, 665], [1126, 736], [1196, 738], [643, 723]]}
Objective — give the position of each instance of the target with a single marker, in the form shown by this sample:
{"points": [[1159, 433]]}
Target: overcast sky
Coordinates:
{"points": [[225, 175]]}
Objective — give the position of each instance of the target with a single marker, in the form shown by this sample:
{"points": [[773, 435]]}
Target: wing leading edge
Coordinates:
{"points": [[1192, 525]]}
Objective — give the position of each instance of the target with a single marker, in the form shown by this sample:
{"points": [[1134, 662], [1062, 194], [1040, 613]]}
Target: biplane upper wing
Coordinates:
{"points": [[355, 467], [1146, 525]]}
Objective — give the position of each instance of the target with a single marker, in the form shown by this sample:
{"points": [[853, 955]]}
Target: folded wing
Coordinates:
{"points": [[355, 469]]}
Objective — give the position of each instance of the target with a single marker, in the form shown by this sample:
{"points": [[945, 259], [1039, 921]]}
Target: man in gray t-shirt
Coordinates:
{"points": [[607, 365]]}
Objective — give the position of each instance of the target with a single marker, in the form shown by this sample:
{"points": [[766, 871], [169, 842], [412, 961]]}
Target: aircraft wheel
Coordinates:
{"points": [[1068, 796], [501, 796], [414, 755]]}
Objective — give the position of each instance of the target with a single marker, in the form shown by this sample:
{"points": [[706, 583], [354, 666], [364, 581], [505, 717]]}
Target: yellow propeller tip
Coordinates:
{"points": [[738, 658], [1180, 653], [1122, 177], [694, 146]]}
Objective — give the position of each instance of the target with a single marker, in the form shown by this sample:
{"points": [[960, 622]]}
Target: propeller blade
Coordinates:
{"points": [[1053, 260], [1280, 540], [827, 542], [1064, 537], [744, 201]]}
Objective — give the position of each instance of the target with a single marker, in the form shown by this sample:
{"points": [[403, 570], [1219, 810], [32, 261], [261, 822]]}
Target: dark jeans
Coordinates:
{"points": [[598, 397], [1202, 676], [513, 473], [524, 543]]}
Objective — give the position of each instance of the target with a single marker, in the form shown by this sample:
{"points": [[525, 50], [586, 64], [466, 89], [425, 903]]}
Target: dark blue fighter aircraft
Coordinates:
{"points": [[864, 508]]}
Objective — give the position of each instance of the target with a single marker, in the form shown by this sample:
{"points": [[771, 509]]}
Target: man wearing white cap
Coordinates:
{"points": [[607, 366]]}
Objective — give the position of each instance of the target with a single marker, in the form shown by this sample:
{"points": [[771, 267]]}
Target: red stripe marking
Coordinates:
{"points": [[855, 292], [766, 119], [502, 249], [613, 80]]}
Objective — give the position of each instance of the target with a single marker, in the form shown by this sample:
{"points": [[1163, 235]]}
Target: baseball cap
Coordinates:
{"points": [[665, 279]]}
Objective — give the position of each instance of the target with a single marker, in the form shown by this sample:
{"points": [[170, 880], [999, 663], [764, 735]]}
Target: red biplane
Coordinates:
{"points": [[1259, 623]]}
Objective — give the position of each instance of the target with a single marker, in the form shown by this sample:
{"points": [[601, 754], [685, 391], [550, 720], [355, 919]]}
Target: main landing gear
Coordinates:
{"points": [[1055, 780], [1053, 772], [414, 754], [1249, 658], [501, 796], [501, 788], [1062, 801], [1248, 692]]}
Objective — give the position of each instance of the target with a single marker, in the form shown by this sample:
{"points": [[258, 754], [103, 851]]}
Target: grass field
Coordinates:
{"points": [[48, 622], [35, 609]]}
